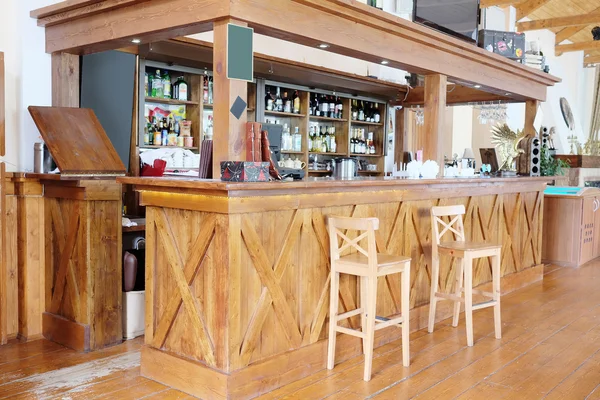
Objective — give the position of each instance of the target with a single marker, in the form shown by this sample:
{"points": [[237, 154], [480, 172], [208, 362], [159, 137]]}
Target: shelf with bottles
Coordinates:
{"points": [[152, 146], [367, 113], [327, 119], [366, 143], [323, 107], [166, 86], [292, 139], [327, 139], [284, 102]]}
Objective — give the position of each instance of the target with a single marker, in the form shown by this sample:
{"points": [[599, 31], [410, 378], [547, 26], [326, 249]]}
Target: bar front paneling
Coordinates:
{"points": [[238, 274]]}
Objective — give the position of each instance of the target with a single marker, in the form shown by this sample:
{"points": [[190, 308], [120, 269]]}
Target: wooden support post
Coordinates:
{"points": [[65, 80], [435, 143], [400, 137], [3, 266], [229, 131], [531, 107], [2, 110]]}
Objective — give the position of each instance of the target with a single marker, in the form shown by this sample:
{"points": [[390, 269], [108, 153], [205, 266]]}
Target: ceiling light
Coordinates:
{"points": [[507, 94], [136, 41], [477, 86], [385, 62], [323, 46]]}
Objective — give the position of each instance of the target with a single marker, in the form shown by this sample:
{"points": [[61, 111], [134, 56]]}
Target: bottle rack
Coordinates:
{"points": [[343, 130]]}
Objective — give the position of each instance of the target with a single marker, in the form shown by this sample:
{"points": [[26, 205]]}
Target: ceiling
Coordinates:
{"points": [[564, 8], [546, 12]]}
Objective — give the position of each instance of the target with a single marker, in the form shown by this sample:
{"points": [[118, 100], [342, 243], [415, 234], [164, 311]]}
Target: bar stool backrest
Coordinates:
{"points": [[455, 225], [365, 227]]}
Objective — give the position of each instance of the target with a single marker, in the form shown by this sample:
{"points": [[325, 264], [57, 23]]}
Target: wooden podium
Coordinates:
{"points": [[82, 230]]}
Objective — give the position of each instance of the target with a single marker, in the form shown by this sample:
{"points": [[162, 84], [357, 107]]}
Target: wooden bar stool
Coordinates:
{"points": [[368, 266], [467, 252]]}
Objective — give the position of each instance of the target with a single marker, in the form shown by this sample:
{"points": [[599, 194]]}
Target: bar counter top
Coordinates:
{"points": [[316, 183]]}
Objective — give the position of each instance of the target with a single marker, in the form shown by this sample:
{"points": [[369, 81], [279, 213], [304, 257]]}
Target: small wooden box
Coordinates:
{"points": [[244, 171]]}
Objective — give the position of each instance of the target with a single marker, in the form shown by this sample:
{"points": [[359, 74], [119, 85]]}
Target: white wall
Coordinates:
{"points": [[28, 80]]}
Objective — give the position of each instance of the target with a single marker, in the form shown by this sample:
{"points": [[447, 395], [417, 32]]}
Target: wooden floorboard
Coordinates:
{"points": [[550, 349]]}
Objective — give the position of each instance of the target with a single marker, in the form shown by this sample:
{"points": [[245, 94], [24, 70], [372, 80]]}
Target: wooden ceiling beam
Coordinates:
{"points": [[565, 48], [529, 6], [456, 95], [560, 22], [503, 3], [566, 33], [591, 60]]}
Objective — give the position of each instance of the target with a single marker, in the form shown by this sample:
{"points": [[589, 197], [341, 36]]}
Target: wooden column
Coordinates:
{"points": [[435, 142], [531, 107], [400, 137], [229, 131], [65, 80], [25, 256], [3, 266]]}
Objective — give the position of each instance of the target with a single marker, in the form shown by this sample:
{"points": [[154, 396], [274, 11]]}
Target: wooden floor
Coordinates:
{"points": [[550, 349]]}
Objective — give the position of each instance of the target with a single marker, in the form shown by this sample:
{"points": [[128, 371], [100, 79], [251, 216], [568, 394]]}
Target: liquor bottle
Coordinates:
{"points": [[310, 105], [332, 107], [210, 90], [339, 106], [287, 103], [297, 140], [182, 89], [361, 111], [296, 102], [205, 90], [311, 132], [166, 79], [269, 100], [376, 114], [317, 106], [286, 140], [323, 135], [157, 85], [333, 141], [354, 110], [278, 101], [317, 141]]}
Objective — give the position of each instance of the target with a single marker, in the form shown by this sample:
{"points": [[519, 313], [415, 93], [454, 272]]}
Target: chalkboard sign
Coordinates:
{"points": [[240, 53]]}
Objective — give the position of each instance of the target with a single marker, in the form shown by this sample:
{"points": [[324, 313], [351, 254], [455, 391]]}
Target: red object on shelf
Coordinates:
{"points": [[158, 169]]}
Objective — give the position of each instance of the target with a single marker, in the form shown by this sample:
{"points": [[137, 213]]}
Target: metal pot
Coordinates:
{"points": [[42, 160], [345, 168]]}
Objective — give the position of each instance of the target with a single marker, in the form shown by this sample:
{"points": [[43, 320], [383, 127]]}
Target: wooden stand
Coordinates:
{"points": [[82, 227], [237, 275]]}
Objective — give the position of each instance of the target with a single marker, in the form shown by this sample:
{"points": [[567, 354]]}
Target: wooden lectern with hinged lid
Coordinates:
{"points": [[82, 230]]}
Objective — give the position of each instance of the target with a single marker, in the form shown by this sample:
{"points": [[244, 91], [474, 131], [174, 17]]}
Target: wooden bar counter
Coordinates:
{"points": [[237, 274]]}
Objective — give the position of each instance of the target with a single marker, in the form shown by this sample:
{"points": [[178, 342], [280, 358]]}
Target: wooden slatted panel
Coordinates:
{"points": [[280, 287]]}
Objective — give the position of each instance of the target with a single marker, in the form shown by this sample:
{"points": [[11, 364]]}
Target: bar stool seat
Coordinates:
{"points": [[466, 252], [449, 247], [386, 264], [368, 265]]}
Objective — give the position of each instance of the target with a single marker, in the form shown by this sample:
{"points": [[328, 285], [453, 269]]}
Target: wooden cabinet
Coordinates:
{"points": [[571, 234]]}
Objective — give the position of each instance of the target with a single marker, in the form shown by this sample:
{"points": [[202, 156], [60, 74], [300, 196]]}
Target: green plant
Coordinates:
{"points": [[549, 166]]}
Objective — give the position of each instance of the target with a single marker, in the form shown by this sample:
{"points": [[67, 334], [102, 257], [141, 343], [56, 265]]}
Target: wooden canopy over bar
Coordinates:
{"points": [[349, 27]]}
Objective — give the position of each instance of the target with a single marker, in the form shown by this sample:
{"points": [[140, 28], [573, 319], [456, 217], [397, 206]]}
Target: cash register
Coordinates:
{"points": [[275, 131]]}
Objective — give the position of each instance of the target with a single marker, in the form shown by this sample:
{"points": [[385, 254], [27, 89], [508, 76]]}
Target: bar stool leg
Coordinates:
{"points": [[468, 264], [458, 290], [435, 277], [405, 306], [333, 311], [370, 336], [363, 304], [496, 279]]}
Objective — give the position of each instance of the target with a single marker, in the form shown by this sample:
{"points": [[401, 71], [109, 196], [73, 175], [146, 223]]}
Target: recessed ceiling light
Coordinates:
{"points": [[323, 46], [507, 94], [587, 55], [477, 86], [136, 41], [385, 62]]}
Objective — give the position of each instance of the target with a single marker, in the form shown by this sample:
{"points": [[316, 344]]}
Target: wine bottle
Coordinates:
{"points": [[287, 103], [324, 106], [268, 100], [278, 101], [310, 105], [332, 108], [296, 102], [376, 114], [311, 132], [339, 105], [317, 106], [354, 110], [361, 111]]}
